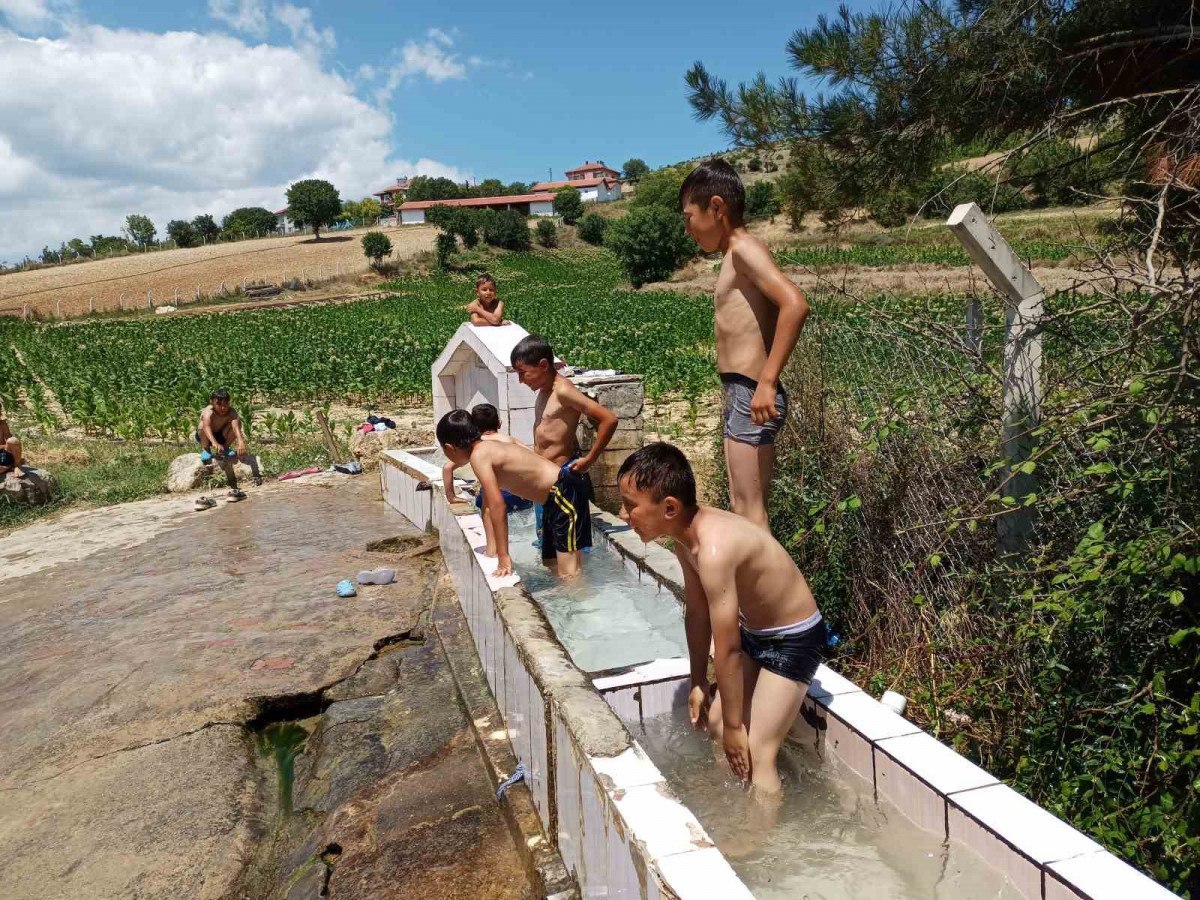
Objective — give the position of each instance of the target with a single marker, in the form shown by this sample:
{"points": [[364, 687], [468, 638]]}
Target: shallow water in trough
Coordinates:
{"points": [[828, 839]]}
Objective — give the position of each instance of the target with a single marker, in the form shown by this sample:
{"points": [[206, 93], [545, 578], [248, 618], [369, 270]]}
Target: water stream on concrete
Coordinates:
{"points": [[828, 839], [284, 741]]}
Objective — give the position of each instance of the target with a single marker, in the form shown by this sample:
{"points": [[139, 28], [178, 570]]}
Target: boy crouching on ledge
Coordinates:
{"points": [[502, 466], [743, 592]]}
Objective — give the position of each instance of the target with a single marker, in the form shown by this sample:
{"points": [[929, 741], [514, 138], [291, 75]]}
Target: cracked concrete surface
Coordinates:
{"points": [[138, 642]]}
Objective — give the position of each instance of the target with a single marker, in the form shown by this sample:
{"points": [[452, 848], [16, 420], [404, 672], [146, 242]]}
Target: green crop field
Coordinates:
{"points": [[881, 254], [149, 376]]}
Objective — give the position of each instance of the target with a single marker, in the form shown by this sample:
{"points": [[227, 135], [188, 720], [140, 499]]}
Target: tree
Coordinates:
{"points": [[650, 244], [547, 233], [592, 228], [568, 204], [205, 228], [761, 200], [376, 246], [425, 188], [248, 221], [507, 229], [517, 188], [107, 245], [182, 233], [140, 230], [314, 202], [661, 188], [79, 248], [361, 212], [634, 169], [444, 246], [490, 187]]}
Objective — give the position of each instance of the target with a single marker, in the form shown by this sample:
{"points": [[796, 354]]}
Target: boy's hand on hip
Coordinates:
{"points": [[737, 750], [698, 707], [762, 404], [581, 465], [503, 566]]}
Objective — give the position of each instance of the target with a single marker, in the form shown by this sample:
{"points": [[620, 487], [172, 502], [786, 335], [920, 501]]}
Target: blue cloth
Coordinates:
{"points": [[517, 775], [345, 588], [512, 503]]}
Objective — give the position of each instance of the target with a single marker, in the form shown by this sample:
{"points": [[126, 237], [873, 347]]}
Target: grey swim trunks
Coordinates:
{"points": [[739, 391]]}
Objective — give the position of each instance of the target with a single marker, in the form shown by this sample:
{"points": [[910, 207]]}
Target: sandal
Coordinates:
{"points": [[203, 503]]}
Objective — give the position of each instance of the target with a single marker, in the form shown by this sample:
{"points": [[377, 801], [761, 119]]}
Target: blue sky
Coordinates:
{"points": [[177, 108]]}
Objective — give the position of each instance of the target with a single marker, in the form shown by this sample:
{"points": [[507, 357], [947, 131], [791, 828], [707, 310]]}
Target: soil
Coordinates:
{"points": [[163, 272]]}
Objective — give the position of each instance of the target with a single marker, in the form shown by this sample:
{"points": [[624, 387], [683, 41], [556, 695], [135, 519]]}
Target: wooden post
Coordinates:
{"points": [[1022, 399]]}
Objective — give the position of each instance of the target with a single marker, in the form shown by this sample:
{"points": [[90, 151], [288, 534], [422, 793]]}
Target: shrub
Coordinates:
{"points": [[457, 220], [761, 200], [547, 233], [182, 233], [1058, 173], [568, 204], [444, 246], [946, 188], [592, 228], [376, 246], [892, 208], [755, 164], [661, 189], [649, 243], [809, 184], [507, 229]]}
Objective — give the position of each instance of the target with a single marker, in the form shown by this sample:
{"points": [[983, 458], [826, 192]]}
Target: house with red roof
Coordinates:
{"points": [[392, 196], [539, 203], [596, 182]]}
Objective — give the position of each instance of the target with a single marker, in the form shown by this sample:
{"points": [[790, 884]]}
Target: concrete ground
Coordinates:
{"points": [[156, 665]]}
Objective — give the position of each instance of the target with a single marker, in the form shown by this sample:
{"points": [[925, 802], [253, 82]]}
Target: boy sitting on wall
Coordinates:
{"points": [[502, 466], [559, 407], [744, 593], [486, 308], [487, 419]]}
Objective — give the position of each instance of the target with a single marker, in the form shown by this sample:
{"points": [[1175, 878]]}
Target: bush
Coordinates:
{"points": [[1058, 173], [507, 229], [946, 188], [761, 200], [462, 222], [444, 246], [649, 243], [661, 189], [181, 233], [755, 164], [547, 233], [568, 204], [592, 228], [376, 246], [809, 184]]}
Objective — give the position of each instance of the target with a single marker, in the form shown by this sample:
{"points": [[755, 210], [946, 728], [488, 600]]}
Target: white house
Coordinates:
{"points": [[283, 224], [537, 204], [595, 182]]}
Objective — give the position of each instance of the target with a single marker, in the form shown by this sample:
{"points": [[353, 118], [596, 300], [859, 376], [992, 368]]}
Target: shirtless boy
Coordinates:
{"points": [[486, 309], [501, 466], [487, 419], [759, 314], [742, 591], [221, 431], [10, 450], [557, 412]]}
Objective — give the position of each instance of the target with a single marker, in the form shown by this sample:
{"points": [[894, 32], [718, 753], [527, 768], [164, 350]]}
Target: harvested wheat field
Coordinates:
{"points": [[124, 281]]}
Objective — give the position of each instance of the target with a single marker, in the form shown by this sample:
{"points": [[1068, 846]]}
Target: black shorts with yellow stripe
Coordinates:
{"points": [[567, 518]]}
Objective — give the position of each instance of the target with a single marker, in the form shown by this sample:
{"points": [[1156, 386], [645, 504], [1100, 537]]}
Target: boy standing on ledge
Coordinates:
{"points": [[502, 466], [744, 593], [759, 314], [559, 407]]}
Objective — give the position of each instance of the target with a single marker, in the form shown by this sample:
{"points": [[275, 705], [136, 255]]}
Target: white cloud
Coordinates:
{"points": [[298, 20], [172, 125], [431, 58], [35, 15], [246, 16]]}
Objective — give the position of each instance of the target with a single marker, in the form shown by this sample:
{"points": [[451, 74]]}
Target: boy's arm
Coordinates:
{"points": [[238, 433], [448, 481], [753, 259], [494, 506], [698, 630], [480, 316], [717, 577], [605, 419]]}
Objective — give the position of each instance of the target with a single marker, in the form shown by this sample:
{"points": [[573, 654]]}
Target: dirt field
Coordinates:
{"points": [[106, 282]]}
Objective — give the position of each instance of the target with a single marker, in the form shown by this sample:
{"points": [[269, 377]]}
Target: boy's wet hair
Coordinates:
{"points": [[458, 429], [662, 471], [219, 394], [531, 350], [715, 178], [484, 278], [486, 417]]}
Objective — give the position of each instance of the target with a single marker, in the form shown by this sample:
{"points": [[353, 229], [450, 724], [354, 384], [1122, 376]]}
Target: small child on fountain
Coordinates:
{"points": [[486, 308]]}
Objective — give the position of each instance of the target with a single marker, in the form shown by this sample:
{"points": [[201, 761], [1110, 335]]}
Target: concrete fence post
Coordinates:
{"points": [[58, 309], [91, 305], [1022, 390], [176, 296], [25, 313], [973, 338], [121, 303], [150, 299]]}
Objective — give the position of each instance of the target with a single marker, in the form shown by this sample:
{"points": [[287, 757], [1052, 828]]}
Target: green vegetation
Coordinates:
{"points": [[376, 246], [248, 221], [547, 233], [592, 227], [567, 203], [313, 203], [879, 254], [634, 169], [148, 377], [181, 233], [649, 242], [140, 230]]}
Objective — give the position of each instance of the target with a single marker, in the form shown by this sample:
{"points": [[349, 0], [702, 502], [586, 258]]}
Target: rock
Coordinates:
{"points": [[186, 473], [366, 447], [36, 487]]}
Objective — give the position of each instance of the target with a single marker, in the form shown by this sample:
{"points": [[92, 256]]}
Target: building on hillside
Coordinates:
{"points": [[595, 182], [536, 204], [283, 224], [392, 196]]}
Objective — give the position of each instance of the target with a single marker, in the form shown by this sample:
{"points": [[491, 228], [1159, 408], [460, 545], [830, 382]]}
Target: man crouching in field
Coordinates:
{"points": [[222, 437]]}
